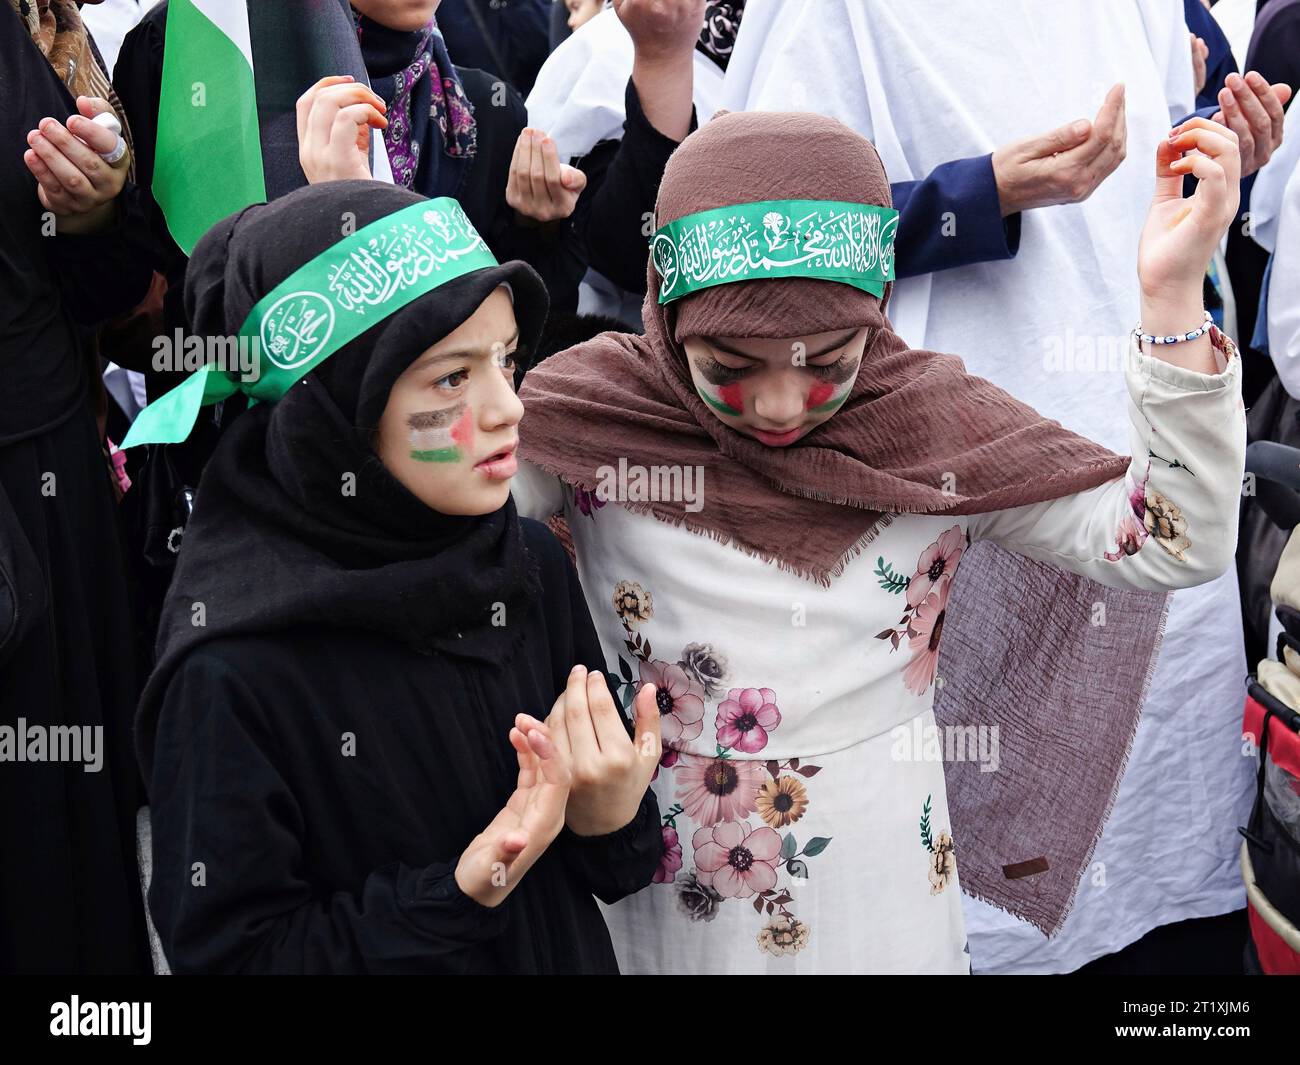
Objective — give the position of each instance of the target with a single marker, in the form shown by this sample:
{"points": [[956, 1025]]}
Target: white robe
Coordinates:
{"points": [[578, 100], [932, 80], [578, 95], [1275, 207], [1237, 20]]}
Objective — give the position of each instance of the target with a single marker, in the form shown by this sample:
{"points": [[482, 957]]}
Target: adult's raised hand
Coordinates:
{"points": [[1064, 165]]}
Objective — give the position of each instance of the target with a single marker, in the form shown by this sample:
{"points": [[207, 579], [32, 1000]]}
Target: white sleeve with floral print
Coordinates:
{"points": [[1171, 522]]}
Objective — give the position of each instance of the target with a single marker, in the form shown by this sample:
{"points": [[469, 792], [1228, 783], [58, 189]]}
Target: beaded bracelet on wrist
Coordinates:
{"points": [[1148, 338]]}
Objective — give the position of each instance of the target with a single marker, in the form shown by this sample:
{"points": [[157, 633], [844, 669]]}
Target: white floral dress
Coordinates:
{"points": [[806, 827]]}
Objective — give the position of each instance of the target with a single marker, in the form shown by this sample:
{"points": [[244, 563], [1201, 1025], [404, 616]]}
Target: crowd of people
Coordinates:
{"points": [[483, 486]]}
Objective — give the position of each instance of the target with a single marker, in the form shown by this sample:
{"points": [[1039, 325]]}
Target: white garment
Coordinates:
{"points": [[933, 80], [128, 388], [578, 95], [110, 22], [597, 294], [1282, 231], [1237, 20], [1271, 181], [844, 712], [578, 99]]}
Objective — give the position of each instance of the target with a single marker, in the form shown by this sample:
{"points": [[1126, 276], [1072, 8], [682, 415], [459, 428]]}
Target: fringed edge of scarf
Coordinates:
{"points": [[818, 574], [1100, 465]]}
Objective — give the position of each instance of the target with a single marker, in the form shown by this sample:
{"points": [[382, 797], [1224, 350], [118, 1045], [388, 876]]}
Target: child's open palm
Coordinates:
{"points": [[499, 856]]}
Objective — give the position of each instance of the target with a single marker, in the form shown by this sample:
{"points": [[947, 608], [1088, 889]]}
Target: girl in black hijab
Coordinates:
{"points": [[342, 737]]}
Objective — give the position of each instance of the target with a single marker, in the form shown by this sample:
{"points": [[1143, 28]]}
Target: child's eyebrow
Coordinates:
{"points": [[836, 344], [464, 353], [812, 354]]}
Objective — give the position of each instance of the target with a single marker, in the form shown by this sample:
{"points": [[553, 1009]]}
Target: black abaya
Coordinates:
{"points": [[327, 780], [69, 889]]}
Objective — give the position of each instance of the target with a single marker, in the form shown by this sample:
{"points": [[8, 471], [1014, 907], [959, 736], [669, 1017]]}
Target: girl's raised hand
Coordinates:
{"points": [[611, 770], [499, 856], [1181, 235]]}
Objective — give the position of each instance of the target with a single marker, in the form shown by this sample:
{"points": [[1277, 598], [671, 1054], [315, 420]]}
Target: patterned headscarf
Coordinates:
{"points": [[57, 30], [429, 70], [718, 36]]}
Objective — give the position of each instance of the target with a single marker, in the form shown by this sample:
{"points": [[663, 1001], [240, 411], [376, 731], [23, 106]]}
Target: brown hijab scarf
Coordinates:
{"points": [[1022, 651], [914, 423]]}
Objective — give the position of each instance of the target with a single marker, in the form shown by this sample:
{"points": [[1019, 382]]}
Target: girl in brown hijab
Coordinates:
{"points": [[771, 496]]}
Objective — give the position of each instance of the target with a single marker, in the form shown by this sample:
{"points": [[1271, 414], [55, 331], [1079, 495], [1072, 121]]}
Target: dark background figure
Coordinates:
{"points": [[69, 887], [508, 38], [1245, 259], [1219, 63], [1274, 51], [1275, 43], [559, 28]]}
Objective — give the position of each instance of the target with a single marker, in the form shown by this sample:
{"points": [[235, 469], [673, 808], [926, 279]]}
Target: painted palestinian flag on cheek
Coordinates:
{"points": [[827, 395], [725, 399], [441, 435]]}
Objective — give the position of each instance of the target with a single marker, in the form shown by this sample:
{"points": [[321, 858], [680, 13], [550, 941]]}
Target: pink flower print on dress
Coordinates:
{"points": [[937, 564], [672, 857], [587, 502], [718, 789], [735, 860], [666, 761], [1132, 531], [1129, 538], [681, 700], [745, 717], [925, 628]]}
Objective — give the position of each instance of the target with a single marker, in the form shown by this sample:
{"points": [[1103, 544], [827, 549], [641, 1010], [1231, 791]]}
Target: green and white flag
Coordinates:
{"points": [[209, 153], [232, 74]]}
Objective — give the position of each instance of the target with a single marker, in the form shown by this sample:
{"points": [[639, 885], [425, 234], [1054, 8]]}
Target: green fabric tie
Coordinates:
{"points": [[348, 288]]}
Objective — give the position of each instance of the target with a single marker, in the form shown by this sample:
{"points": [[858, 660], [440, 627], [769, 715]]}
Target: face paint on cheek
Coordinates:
{"points": [[441, 435], [725, 399], [818, 395], [826, 396]]}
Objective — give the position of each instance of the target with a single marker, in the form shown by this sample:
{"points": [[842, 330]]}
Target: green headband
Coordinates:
{"points": [[848, 242], [351, 286]]}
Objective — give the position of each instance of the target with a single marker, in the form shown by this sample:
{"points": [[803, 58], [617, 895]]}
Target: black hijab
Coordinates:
{"points": [[297, 522]]}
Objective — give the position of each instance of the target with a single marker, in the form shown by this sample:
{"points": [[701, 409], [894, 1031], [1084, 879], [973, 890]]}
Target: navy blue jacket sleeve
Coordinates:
{"points": [[1220, 62], [952, 218]]}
